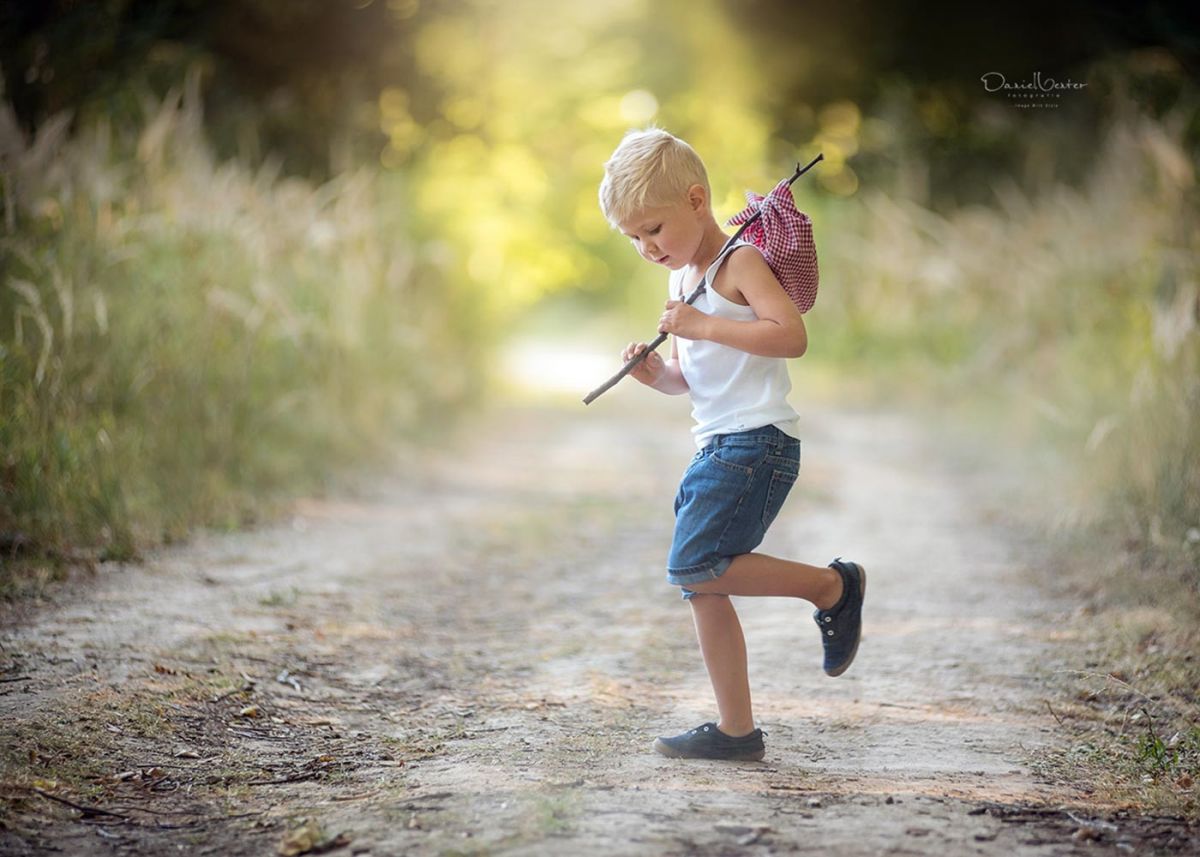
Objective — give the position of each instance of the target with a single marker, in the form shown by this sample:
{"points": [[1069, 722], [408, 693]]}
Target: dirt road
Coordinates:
{"points": [[474, 655]]}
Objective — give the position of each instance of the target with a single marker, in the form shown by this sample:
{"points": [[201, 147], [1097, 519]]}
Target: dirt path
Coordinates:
{"points": [[479, 650]]}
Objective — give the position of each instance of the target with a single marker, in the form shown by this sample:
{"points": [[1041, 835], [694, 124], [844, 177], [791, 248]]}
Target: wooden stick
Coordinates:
{"points": [[699, 290]]}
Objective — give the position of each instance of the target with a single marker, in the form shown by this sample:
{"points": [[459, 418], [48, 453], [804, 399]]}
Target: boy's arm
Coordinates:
{"points": [[779, 330], [672, 381]]}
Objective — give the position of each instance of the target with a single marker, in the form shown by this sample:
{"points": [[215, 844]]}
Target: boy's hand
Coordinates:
{"points": [[650, 370], [683, 319]]}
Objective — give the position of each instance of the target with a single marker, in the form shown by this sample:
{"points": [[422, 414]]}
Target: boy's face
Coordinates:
{"points": [[668, 235]]}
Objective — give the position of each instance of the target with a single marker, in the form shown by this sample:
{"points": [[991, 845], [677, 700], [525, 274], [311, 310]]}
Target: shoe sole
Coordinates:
{"points": [[862, 593], [671, 753]]}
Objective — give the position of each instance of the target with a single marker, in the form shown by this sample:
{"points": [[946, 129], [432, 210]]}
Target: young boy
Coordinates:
{"points": [[728, 352]]}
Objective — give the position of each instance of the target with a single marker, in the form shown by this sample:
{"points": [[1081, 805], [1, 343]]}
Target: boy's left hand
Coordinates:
{"points": [[683, 319]]}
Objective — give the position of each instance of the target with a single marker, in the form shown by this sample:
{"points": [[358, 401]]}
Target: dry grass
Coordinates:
{"points": [[1129, 718], [1063, 325], [1062, 318], [187, 343]]}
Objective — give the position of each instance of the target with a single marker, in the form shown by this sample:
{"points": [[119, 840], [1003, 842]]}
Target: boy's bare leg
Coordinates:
{"points": [[724, 649], [760, 574]]}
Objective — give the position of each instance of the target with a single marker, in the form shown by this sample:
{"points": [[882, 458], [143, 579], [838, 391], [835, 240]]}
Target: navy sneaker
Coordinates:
{"points": [[708, 742], [841, 624]]}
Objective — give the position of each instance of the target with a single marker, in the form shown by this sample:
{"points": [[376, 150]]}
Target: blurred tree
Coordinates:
{"points": [[285, 76], [844, 49], [297, 77], [500, 115], [917, 68]]}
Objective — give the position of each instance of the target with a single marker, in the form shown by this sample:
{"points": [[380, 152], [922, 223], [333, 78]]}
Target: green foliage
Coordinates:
{"points": [[1179, 754], [513, 111]]}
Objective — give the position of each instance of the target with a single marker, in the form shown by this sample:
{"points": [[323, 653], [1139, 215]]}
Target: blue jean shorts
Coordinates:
{"points": [[730, 493]]}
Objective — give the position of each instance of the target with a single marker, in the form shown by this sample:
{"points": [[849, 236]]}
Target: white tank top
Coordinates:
{"points": [[731, 390]]}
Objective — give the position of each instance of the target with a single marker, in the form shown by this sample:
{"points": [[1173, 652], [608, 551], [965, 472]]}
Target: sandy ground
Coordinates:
{"points": [[473, 656]]}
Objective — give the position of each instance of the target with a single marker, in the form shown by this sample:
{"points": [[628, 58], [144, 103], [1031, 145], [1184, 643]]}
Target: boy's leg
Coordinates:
{"points": [[724, 649], [760, 574]]}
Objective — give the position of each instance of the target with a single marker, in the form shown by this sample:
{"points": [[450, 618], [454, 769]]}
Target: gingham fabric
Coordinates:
{"points": [[784, 235]]}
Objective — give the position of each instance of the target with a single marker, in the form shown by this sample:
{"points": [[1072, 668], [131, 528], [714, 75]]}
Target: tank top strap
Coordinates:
{"points": [[724, 253], [722, 256], [675, 282]]}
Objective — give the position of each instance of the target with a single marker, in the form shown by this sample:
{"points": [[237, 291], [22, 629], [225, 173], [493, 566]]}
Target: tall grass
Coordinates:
{"points": [[1063, 314], [1063, 324], [183, 342]]}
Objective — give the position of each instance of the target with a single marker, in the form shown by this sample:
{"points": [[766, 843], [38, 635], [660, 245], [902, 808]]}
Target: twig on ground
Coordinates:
{"points": [[1053, 712], [1112, 678], [87, 810], [203, 822]]}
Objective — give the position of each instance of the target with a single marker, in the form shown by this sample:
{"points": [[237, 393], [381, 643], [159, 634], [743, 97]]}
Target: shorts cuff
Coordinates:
{"points": [[698, 574]]}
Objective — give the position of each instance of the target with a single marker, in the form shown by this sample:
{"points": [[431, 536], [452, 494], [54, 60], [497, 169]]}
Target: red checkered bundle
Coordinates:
{"points": [[785, 237]]}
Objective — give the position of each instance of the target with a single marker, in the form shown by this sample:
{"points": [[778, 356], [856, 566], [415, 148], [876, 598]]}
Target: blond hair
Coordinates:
{"points": [[649, 169]]}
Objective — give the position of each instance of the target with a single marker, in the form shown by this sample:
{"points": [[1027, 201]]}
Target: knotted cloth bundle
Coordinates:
{"points": [[784, 235]]}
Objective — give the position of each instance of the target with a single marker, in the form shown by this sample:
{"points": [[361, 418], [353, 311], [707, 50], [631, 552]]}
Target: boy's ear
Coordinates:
{"points": [[697, 197]]}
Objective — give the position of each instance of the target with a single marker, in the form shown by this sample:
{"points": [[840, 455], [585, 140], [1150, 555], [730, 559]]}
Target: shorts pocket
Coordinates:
{"points": [[784, 471], [740, 458], [781, 483]]}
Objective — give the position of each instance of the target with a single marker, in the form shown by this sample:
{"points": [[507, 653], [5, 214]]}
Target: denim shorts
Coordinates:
{"points": [[730, 493]]}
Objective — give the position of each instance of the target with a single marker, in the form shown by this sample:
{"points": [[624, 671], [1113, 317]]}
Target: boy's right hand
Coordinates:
{"points": [[650, 370]]}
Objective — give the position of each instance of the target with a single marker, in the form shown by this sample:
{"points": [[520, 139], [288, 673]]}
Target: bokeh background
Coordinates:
{"points": [[250, 245]]}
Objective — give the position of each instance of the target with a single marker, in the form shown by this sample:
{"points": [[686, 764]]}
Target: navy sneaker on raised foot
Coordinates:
{"points": [[706, 741], [841, 624]]}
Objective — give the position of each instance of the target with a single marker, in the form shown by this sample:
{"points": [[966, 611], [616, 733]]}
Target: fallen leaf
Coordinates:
{"points": [[187, 754], [250, 711], [310, 839], [301, 840]]}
